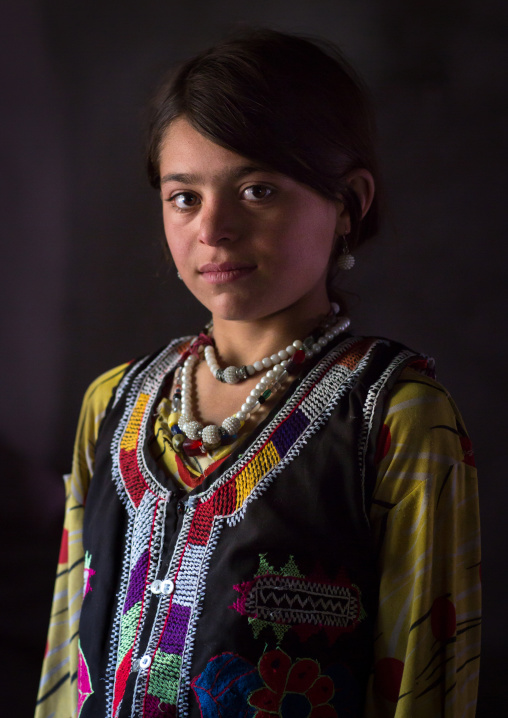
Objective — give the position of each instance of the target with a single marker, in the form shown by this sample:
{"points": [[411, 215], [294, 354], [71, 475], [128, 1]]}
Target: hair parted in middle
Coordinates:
{"points": [[289, 103]]}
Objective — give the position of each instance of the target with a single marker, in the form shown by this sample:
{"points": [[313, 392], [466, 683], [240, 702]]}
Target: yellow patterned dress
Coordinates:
{"points": [[425, 523]]}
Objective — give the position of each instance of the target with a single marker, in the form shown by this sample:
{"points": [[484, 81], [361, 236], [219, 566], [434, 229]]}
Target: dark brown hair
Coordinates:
{"points": [[294, 105]]}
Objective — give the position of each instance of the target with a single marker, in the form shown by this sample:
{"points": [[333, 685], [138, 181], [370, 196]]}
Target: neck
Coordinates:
{"points": [[243, 341]]}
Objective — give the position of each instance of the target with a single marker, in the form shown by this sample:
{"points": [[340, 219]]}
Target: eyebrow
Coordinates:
{"points": [[238, 173]]}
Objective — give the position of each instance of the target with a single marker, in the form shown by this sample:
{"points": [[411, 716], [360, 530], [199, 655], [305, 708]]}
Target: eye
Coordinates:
{"points": [[257, 192], [184, 200]]}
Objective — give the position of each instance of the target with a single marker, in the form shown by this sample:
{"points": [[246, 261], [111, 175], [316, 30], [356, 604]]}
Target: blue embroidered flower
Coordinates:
{"points": [[223, 687]]}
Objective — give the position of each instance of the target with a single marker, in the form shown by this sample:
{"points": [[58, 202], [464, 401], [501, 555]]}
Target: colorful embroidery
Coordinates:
{"points": [[84, 683], [292, 690], [223, 687], [285, 598], [88, 572]]}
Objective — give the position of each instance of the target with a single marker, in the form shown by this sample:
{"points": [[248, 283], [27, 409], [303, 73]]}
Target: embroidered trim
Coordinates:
{"points": [[368, 414], [84, 684]]}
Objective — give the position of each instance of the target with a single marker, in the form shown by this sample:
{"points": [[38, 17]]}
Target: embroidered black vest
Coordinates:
{"points": [[255, 594]]}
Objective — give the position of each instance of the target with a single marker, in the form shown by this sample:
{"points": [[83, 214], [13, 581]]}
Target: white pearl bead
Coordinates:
{"points": [[322, 341], [277, 370], [329, 336], [284, 362], [260, 387], [250, 370], [242, 415], [266, 362], [258, 366], [298, 344], [255, 393], [283, 354], [263, 381], [245, 408], [192, 429], [232, 424], [316, 348], [269, 374], [290, 350], [250, 401], [211, 435], [274, 358]]}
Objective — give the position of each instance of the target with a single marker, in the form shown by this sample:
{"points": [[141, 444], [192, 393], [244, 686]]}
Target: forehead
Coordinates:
{"points": [[182, 144]]}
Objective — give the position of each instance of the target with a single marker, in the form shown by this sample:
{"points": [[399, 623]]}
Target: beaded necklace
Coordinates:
{"points": [[189, 435]]}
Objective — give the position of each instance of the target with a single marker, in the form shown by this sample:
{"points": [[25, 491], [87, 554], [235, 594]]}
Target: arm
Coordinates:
{"points": [[426, 526], [58, 694]]}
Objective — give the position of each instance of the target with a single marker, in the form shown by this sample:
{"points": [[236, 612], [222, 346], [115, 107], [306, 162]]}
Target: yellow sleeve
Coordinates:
{"points": [[426, 526], [58, 696]]}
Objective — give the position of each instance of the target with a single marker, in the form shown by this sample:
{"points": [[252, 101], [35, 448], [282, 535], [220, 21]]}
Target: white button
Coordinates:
{"points": [[167, 587], [156, 586], [145, 662]]}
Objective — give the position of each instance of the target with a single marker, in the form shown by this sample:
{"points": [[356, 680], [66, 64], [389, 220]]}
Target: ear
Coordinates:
{"points": [[362, 182]]}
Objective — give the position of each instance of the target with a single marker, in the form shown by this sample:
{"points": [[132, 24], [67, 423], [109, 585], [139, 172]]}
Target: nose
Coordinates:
{"points": [[218, 222]]}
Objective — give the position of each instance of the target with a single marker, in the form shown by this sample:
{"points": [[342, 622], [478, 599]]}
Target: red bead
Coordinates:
{"points": [[193, 447], [299, 356]]}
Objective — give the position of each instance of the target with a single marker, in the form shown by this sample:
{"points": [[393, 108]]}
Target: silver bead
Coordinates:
{"points": [[242, 373], [230, 375]]}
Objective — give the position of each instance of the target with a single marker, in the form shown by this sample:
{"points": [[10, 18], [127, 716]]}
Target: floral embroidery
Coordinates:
{"points": [[222, 689], [287, 599], [292, 690]]}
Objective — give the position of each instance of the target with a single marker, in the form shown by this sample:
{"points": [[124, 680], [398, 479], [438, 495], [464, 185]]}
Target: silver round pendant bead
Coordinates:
{"points": [[231, 375]]}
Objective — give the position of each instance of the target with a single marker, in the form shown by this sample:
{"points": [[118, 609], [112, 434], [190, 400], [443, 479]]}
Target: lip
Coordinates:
{"points": [[225, 272]]}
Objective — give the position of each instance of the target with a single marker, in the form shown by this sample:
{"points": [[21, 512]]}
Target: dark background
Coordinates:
{"points": [[83, 281]]}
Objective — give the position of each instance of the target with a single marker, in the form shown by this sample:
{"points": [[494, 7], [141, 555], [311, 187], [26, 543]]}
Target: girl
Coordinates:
{"points": [[274, 517]]}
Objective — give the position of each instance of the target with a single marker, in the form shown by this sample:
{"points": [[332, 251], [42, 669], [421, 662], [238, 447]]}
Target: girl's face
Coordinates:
{"points": [[248, 242]]}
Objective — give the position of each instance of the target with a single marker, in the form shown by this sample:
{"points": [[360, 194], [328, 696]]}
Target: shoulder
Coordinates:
{"points": [[422, 437], [417, 401], [100, 391]]}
